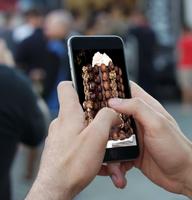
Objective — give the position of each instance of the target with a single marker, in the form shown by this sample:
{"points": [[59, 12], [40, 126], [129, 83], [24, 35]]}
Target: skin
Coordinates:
{"points": [[73, 153], [166, 154]]}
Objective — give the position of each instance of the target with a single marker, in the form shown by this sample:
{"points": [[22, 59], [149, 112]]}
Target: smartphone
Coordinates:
{"points": [[99, 72]]}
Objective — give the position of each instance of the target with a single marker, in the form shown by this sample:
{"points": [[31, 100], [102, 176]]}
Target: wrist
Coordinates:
{"points": [[187, 191], [45, 188]]}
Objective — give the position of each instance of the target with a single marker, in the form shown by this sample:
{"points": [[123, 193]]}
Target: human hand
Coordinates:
{"points": [[166, 154], [73, 153]]}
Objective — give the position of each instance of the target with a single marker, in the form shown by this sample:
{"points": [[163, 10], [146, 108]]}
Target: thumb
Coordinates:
{"points": [[141, 112], [97, 132]]}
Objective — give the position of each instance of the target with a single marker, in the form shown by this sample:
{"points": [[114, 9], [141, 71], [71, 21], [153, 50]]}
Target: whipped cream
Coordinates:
{"points": [[100, 58]]}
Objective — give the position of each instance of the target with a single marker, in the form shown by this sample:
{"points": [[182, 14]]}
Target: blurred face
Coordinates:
{"points": [[137, 18], [36, 21], [54, 29]]}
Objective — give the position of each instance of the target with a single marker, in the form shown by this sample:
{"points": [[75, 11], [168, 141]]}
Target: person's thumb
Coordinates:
{"points": [[97, 132]]}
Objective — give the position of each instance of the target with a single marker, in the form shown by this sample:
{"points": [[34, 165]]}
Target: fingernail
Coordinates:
{"points": [[115, 101]]}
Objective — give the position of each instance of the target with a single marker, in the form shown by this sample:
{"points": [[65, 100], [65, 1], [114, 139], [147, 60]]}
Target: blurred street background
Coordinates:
{"points": [[158, 49]]}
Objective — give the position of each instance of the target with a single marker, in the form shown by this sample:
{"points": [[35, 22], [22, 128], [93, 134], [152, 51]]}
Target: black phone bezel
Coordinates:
{"points": [[108, 42]]}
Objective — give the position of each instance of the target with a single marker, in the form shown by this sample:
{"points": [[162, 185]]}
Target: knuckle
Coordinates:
{"points": [[107, 110], [108, 114], [138, 102], [159, 123]]}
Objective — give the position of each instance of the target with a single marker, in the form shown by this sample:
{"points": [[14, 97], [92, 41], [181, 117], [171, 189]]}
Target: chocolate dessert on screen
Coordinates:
{"points": [[103, 80]]}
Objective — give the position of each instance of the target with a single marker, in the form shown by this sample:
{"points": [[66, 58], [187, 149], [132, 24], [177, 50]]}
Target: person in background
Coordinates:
{"points": [[21, 121], [33, 20], [140, 29], [33, 57], [184, 50], [73, 153], [58, 28]]}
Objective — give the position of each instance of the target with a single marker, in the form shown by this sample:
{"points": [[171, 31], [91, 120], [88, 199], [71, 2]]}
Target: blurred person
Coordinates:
{"points": [[8, 23], [6, 58], [184, 49], [59, 25], [79, 22], [109, 20], [58, 28], [33, 20], [140, 29], [34, 58], [99, 23], [21, 121], [78, 151], [118, 20]]}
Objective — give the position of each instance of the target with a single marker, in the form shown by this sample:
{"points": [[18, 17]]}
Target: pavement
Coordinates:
{"points": [[138, 187]]}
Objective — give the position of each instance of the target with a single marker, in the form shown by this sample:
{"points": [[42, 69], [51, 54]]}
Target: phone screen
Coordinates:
{"points": [[101, 74]]}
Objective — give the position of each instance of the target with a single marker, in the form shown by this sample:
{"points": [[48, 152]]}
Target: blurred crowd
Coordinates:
{"points": [[35, 42]]}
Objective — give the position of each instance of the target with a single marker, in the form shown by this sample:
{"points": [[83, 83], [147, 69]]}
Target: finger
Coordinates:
{"points": [[70, 108], [103, 171], [126, 166], [97, 133], [138, 92], [116, 173], [141, 112]]}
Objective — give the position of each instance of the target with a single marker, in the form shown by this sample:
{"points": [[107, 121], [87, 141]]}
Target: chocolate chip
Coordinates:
{"points": [[127, 135], [96, 106], [96, 69], [115, 135], [120, 94], [84, 69], [119, 86], [111, 66], [92, 96], [108, 94], [91, 76], [122, 88], [124, 117], [120, 72], [91, 85], [84, 105], [89, 68], [118, 77], [103, 104], [122, 135], [100, 96], [97, 80], [99, 88], [103, 68], [89, 104], [87, 98], [127, 126], [105, 76], [116, 70], [91, 114], [106, 85]]}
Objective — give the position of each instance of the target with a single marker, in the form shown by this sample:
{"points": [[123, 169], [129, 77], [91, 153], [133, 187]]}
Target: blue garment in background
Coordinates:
{"points": [[60, 49]]}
